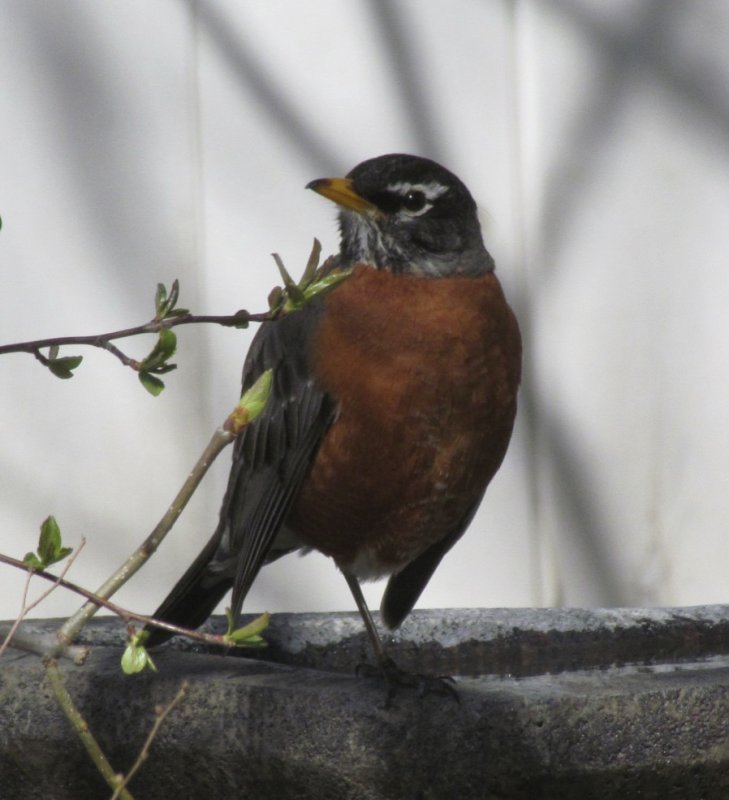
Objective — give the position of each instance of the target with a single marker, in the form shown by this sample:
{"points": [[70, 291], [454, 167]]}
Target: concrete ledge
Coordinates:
{"points": [[258, 729]]}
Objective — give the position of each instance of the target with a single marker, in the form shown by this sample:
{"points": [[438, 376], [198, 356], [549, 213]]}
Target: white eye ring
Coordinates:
{"points": [[417, 198]]}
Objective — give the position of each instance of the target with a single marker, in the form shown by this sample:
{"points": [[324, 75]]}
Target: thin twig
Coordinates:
{"points": [[224, 435], [70, 629], [103, 340], [97, 600], [82, 729], [26, 608], [14, 627], [40, 643], [173, 317], [247, 409], [161, 713]]}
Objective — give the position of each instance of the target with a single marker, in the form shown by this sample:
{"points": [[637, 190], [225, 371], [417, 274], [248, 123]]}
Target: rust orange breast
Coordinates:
{"points": [[425, 373]]}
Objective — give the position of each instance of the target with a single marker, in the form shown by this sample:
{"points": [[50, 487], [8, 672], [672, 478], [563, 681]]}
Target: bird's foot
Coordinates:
{"points": [[396, 678]]}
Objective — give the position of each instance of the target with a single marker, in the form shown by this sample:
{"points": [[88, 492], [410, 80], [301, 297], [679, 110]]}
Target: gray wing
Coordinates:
{"points": [[270, 459]]}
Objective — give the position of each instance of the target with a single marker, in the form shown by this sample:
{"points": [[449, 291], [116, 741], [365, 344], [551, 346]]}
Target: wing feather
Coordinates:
{"points": [[270, 459]]}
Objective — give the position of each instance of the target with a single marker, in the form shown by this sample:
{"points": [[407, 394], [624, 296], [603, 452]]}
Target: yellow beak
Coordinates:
{"points": [[340, 191]]}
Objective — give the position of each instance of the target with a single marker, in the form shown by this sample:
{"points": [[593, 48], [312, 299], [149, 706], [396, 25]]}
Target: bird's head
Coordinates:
{"points": [[408, 215]]}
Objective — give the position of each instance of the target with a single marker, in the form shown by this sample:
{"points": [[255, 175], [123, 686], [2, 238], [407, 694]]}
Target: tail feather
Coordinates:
{"points": [[404, 587], [194, 597]]}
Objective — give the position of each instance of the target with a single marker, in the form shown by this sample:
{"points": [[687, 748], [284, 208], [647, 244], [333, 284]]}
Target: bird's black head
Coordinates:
{"points": [[408, 215]]}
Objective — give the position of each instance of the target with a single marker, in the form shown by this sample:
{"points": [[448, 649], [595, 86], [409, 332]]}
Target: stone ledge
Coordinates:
{"points": [[257, 729]]}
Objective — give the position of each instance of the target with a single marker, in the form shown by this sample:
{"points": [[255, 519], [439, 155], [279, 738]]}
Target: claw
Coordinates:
{"points": [[397, 678]]}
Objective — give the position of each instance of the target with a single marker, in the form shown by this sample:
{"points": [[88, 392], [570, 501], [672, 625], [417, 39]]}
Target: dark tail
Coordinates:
{"points": [[194, 597], [404, 587]]}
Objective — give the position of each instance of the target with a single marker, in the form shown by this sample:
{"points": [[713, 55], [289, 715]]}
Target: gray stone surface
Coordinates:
{"points": [[656, 728]]}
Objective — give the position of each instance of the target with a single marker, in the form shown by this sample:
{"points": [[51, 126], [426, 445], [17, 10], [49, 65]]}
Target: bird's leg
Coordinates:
{"points": [[370, 626], [394, 676]]}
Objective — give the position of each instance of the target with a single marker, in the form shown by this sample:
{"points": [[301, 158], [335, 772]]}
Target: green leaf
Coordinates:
{"points": [[166, 345], [136, 658], [173, 298], [251, 404], [160, 301], [294, 292], [50, 546], [49, 542], [311, 265], [254, 399], [164, 348], [32, 560], [325, 283], [164, 368], [287, 279], [177, 312], [152, 384], [167, 341], [295, 295], [248, 635], [64, 367], [164, 304]]}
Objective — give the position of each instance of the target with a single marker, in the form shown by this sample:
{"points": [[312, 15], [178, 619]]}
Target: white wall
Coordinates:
{"points": [[140, 142]]}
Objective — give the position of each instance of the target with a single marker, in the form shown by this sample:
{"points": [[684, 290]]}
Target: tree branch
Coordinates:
{"points": [[248, 408], [35, 644], [160, 713], [25, 606], [82, 730], [103, 340]]}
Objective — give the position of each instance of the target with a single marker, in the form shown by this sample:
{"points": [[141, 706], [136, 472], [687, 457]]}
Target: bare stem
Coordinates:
{"points": [[103, 340], [70, 629], [13, 629], [40, 643], [82, 730], [153, 326], [161, 713], [26, 607], [248, 408], [35, 643]]}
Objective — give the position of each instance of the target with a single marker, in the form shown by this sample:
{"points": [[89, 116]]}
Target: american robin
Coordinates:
{"points": [[393, 401]]}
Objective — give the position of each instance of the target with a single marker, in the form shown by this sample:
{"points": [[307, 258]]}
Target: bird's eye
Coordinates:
{"points": [[413, 201]]}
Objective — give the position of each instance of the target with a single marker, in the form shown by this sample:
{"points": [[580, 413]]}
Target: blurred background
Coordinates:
{"points": [[142, 142]]}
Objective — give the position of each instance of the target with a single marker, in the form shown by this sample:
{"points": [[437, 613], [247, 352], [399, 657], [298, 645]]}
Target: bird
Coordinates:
{"points": [[392, 404]]}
